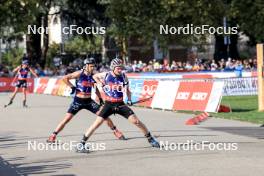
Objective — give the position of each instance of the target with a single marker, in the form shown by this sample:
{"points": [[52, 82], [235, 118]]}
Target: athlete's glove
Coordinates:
{"points": [[73, 89], [101, 101], [129, 103]]}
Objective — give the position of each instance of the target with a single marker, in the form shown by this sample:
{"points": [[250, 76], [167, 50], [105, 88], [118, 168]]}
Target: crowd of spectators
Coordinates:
{"points": [[197, 65]]}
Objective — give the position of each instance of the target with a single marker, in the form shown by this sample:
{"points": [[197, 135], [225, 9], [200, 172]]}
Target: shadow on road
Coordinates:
{"points": [[47, 167], [255, 132], [21, 168]]}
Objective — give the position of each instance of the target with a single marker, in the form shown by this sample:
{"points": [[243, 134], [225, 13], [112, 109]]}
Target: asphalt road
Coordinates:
{"points": [[20, 128]]}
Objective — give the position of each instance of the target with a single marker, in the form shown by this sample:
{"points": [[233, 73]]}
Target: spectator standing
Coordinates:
{"points": [[238, 69], [214, 66]]}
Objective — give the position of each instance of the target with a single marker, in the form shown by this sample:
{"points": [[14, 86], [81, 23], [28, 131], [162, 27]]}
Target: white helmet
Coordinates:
{"points": [[116, 63]]}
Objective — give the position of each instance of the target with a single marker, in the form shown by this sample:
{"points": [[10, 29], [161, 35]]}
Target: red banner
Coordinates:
{"points": [[193, 96], [197, 76], [8, 85]]}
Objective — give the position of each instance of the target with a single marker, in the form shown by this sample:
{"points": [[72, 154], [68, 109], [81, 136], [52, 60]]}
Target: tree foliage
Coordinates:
{"points": [[249, 15], [139, 18]]}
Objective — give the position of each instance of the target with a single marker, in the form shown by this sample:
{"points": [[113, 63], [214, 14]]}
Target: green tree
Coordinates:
{"points": [[249, 15], [78, 45], [12, 57], [142, 18]]}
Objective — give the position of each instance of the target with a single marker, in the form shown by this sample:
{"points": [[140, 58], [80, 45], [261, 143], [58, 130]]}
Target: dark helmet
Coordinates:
{"points": [[25, 62], [89, 61], [116, 63]]}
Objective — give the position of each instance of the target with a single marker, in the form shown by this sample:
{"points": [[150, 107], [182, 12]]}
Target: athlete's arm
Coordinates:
{"points": [[128, 92], [33, 72], [97, 92], [16, 69], [99, 77], [15, 78], [75, 75]]}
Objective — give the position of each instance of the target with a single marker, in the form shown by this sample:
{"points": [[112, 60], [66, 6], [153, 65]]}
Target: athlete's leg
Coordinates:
{"points": [[14, 94], [12, 97], [24, 89], [81, 146], [62, 124], [109, 123], [60, 127], [96, 108], [74, 108], [134, 120], [103, 115], [97, 123], [131, 116], [116, 132]]}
